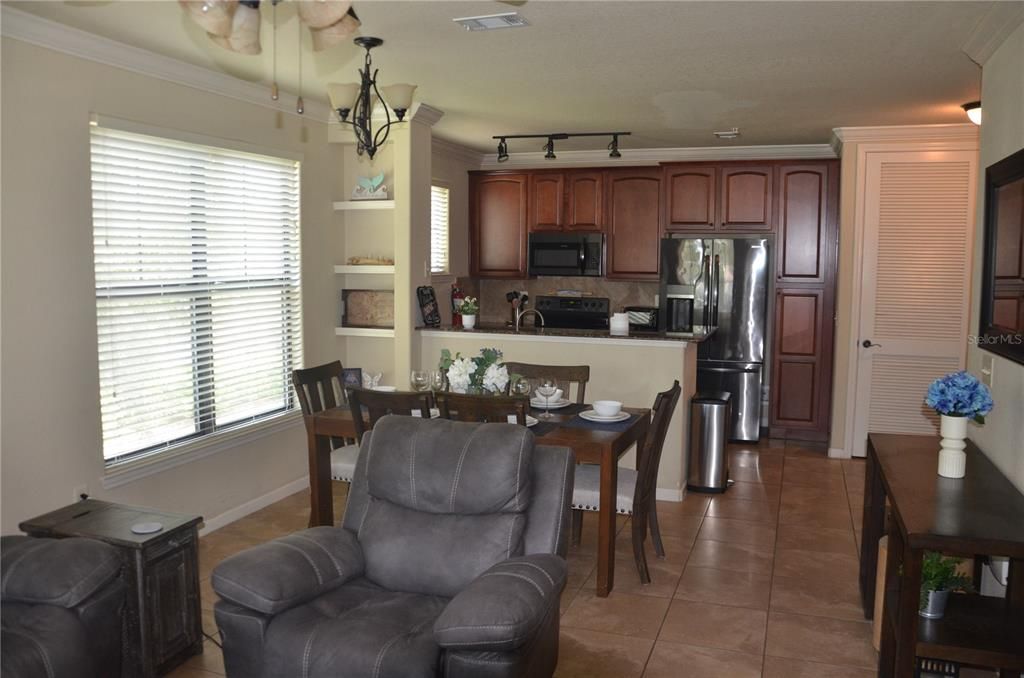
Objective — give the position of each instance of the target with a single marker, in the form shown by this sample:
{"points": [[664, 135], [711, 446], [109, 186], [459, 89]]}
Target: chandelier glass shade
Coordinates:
{"points": [[355, 102]]}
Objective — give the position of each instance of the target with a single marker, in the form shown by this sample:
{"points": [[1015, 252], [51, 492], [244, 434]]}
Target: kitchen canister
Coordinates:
{"points": [[619, 325]]}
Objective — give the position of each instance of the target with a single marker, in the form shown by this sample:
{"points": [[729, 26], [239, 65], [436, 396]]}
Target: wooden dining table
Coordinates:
{"points": [[592, 445]]}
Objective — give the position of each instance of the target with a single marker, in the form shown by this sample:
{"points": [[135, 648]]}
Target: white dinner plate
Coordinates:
{"points": [[530, 421], [555, 404], [591, 415]]}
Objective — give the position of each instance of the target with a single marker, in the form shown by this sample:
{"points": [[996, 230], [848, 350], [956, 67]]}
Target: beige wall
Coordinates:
{"points": [[1002, 133], [451, 168], [51, 436]]}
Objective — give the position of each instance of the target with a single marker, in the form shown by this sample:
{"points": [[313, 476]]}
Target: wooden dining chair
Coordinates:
{"points": [[636, 490], [320, 388], [569, 374], [493, 409], [380, 403]]}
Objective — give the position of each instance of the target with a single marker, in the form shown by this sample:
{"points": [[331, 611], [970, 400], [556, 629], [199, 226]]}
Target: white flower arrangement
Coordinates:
{"points": [[485, 372]]}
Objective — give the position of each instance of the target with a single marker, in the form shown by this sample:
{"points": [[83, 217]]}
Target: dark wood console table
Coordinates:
{"points": [[980, 514]]}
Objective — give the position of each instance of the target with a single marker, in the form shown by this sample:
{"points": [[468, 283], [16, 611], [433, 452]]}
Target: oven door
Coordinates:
{"points": [[556, 256]]}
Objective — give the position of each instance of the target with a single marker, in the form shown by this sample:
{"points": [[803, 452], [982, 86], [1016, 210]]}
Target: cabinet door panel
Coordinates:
{"points": [[802, 223], [689, 198], [547, 200], [498, 229], [798, 365], [586, 193], [634, 237], [173, 611], [746, 199]]}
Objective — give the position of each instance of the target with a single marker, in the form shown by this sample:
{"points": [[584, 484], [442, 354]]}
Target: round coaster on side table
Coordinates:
{"points": [[147, 528]]}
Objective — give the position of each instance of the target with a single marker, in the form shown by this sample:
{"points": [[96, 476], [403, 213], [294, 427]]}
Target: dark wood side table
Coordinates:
{"points": [[163, 623], [979, 514]]}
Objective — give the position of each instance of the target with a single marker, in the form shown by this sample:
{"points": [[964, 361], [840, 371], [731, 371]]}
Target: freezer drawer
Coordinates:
{"points": [[743, 382]]}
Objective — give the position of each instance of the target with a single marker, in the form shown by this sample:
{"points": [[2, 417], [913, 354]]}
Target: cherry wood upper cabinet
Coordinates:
{"points": [[689, 198], [634, 233], [803, 194], [547, 201], [498, 220], [586, 201], [745, 203]]}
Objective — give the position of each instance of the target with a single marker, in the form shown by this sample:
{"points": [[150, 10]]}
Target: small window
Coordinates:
{"points": [[198, 298], [439, 229]]}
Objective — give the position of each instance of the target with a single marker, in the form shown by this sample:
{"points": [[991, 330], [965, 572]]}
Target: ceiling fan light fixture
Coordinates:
{"points": [[244, 37], [323, 13], [336, 33], [213, 16], [973, 111]]}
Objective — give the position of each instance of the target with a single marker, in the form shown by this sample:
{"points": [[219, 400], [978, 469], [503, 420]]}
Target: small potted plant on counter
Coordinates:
{"points": [[957, 397], [469, 309], [938, 577]]}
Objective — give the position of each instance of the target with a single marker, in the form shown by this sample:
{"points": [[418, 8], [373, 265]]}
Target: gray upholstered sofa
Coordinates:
{"points": [[449, 562], [61, 608]]}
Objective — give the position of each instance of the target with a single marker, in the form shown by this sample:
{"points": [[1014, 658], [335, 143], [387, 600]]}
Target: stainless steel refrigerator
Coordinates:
{"points": [[721, 283]]}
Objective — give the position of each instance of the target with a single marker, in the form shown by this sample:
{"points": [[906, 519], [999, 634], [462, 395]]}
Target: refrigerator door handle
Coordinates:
{"points": [[706, 267], [717, 280], [730, 370]]}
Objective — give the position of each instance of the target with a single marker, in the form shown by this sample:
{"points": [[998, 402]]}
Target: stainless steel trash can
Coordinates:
{"points": [[709, 432]]}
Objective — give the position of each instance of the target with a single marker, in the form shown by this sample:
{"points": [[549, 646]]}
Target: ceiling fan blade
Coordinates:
{"points": [[213, 16], [339, 31], [322, 13], [514, 3], [245, 32]]}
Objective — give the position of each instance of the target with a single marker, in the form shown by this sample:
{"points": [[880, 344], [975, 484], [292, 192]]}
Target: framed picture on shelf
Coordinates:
{"points": [[352, 376]]}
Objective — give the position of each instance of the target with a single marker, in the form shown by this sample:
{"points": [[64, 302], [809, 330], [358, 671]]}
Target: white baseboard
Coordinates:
{"points": [[253, 505], [838, 453], [665, 494]]}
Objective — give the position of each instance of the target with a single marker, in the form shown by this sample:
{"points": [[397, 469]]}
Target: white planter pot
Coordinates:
{"points": [[469, 321], [952, 458]]}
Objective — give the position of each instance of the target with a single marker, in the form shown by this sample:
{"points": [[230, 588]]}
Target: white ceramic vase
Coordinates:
{"points": [[469, 321], [952, 458]]}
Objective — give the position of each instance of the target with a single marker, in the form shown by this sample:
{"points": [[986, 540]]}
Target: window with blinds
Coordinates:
{"points": [[198, 299], [439, 229]]}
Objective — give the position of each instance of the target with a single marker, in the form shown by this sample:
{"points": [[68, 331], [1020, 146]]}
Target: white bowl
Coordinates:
{"points": [[607, 408], [386, 389]]}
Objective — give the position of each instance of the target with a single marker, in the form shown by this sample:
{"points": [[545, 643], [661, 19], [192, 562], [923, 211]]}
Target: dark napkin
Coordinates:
{"points": [[542, 428]]}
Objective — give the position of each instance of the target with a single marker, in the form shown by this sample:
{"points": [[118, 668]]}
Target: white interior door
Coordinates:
{"points": [[915, 285]]}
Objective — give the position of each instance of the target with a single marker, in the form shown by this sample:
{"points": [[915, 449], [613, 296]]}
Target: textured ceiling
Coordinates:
{"points": [[672, 72]]}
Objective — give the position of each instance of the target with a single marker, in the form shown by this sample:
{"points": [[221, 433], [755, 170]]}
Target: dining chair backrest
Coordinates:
{"points": [[319, 388], [380, 403], [571, 374], [486, 408], [650, 456]]}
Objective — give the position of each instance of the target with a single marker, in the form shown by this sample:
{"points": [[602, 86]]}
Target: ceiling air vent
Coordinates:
{"points": [[491, 22]]}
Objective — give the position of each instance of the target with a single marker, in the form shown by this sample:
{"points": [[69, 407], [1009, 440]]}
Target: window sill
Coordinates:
{"points": [[442, 277], [126, 472]]}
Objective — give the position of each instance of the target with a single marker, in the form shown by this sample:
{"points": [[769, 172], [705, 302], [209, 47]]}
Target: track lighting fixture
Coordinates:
{"points": [[549, 146]]}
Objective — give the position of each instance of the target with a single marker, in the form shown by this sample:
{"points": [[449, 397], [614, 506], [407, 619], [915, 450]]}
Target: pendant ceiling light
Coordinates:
{"points": [[235, 24], [354, 102], [973, 111]]}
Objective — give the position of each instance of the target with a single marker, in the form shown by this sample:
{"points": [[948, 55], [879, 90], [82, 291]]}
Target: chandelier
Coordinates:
{"points": [[354, 102]]}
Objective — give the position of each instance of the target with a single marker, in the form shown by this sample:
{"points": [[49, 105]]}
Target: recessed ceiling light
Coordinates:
{"points": [[728, 134], [490, 22]]}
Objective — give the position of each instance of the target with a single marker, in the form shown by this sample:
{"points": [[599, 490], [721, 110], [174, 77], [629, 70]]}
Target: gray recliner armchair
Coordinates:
{"points": [[449, 562], [61, 610]]}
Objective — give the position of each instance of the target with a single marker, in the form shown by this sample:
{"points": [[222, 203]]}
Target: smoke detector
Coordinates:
{"points": [[490, 22], [728, 134]]}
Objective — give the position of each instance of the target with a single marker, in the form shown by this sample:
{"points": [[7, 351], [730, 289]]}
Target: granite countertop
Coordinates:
{"points": [[699, 335]]}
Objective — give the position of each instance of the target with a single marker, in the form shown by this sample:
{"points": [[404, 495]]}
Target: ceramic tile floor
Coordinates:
{"points": [[760, 581]]}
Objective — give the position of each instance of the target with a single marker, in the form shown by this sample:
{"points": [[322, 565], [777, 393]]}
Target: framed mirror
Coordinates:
{"points": [[1001, 329]]}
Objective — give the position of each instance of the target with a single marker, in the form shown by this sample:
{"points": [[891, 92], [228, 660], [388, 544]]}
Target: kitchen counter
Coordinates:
{"points": [[530, 333]]}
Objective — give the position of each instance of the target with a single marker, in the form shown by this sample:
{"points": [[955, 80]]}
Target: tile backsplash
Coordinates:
{"points": [[494, 308]]}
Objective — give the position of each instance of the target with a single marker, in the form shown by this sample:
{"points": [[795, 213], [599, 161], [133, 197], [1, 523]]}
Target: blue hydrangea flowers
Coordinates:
{"points": [[959, 394]]}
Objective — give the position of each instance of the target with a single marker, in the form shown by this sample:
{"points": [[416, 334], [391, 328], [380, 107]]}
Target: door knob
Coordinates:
{"points": [[867, 344]]}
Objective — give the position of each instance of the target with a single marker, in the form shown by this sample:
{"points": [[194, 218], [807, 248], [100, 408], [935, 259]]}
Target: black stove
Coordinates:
{"points": [[580, 313]]}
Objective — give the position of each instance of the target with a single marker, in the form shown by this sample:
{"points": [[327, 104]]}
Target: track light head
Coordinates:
{"points": [[613, 147], [502, 150], [550, 148]]}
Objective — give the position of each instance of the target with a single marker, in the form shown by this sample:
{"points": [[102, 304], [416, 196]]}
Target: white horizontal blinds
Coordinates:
{"points": [[197, 288], [439, 216]]}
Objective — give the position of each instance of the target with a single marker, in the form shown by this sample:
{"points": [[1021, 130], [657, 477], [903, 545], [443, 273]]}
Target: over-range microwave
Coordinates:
{"points": [[568, 254]]}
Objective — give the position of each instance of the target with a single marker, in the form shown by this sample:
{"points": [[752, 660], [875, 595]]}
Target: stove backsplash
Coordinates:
{"points": [[494, 309]]}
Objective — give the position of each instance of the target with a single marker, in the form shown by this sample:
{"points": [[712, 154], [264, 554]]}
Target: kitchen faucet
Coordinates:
{"points": [[520, 314]]}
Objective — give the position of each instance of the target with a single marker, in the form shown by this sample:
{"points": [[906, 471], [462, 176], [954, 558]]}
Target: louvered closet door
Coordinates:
{"points": [[918, 226]]}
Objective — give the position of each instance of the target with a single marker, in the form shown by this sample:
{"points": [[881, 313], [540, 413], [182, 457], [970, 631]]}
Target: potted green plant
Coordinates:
{"points": [[469, 309], [939, 576]]}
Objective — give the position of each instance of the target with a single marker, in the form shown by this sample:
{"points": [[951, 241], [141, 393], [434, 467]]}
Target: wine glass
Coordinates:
{"points": [[521, 386], [547, 389], [420, 380], [437, 380]]}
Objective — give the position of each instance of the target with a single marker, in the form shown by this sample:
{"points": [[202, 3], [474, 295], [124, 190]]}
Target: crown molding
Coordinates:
{"points": [[991, 31], [451, 149], [20, 25], [655, 156], [426, 114], [948, 132]]}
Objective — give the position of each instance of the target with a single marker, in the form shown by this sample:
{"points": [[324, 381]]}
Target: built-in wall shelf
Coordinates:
{"points": [[342, 205], [366, 269], [364, 331]]}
